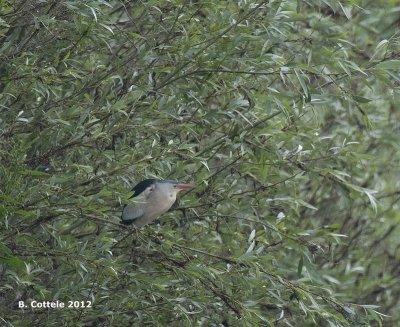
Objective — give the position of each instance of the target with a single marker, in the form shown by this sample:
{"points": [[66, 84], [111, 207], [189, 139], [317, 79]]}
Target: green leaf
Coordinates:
{"points": [[303, 85], [389, 64], [300, 267], [360, 99]]}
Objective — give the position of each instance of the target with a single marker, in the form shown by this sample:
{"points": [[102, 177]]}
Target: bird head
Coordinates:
{"points": [[173, 187]]}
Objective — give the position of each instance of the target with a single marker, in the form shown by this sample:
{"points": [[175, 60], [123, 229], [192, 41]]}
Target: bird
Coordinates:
{"points": [[152, 198]]}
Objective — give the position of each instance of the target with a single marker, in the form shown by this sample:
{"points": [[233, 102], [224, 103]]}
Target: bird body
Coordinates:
{"points": [[152, 198]]}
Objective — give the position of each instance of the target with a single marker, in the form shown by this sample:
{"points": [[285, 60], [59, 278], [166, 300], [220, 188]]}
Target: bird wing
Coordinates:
{"points": [[135, 210], [132, 212]]}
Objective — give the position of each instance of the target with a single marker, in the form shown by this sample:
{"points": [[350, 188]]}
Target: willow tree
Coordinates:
{"points": [[284, 114]]}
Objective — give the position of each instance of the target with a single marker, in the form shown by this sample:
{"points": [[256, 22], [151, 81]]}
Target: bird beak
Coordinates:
{"points": [[183, 186]]}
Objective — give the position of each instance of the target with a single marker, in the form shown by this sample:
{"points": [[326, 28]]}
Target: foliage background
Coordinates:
{"points": [[284, 113]]}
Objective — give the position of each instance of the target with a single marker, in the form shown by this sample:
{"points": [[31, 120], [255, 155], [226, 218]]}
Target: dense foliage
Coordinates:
{"points": [[284, 113]]}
